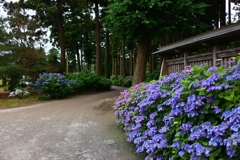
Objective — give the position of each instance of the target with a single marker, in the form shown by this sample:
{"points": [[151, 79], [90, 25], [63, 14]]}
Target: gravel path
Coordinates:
{"points": [[78, 128]]}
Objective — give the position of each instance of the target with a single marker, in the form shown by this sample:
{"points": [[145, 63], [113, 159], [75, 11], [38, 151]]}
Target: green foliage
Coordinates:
{"points": [[235, 44], [153, 76], [53, 56], [70, 23], [103, 84], [26, 29], [136, 20], [113, 79], [116, 80], [7, 45], [33, 60], [127, 82], [53, 61], [20, 39], [88, 81], [88, 51], [44, 97], [119, 81], [14, 74]]}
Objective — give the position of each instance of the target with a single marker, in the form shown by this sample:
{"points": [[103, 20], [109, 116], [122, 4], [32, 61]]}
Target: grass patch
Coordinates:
{"points": [[2, 88], [17, 102]]}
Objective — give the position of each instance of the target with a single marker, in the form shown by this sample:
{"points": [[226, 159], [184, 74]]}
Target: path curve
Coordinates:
{"points": [[79, 128]]}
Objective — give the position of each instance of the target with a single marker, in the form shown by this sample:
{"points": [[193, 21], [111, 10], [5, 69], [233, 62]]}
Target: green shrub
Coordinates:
{"points": [[102, 84], [119, 80], [127, 82], [14, 74], [116, 80], [113, 79], [43, 97], [153, 76], [87, 81]]}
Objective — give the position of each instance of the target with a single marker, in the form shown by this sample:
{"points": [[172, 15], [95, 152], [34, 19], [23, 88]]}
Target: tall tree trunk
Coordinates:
{"points": [[62, 37], [168, 39], [74, 62], [107, 62], [122, 60], [113, 66], [98, 49], [150, 61], [81, 59], [116, 66], [131, 62], [78, 60], [141, 63], [217, 13], [222, 13], [134, 60]]}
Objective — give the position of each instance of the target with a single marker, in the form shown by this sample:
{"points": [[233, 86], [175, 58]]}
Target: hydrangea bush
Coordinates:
{"points": [[19, 93], [193, 115], [53, 85]]}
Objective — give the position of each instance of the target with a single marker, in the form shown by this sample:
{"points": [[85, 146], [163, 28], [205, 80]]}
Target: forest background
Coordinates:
{"points": [[114, 37]]}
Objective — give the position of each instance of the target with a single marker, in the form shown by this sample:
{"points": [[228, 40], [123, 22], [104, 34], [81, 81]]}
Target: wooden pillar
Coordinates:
{"points": [[215, 49], [164, 69], [186, 54], [160, 64]]}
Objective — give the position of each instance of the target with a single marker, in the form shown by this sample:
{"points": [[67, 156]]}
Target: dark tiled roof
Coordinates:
{"points": [[226, 33]]}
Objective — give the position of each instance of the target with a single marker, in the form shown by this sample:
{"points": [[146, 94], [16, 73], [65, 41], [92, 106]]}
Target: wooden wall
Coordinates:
{"points": [[214, 58]]}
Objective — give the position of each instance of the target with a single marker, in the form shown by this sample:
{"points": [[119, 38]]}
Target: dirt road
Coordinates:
{"points": [[79, 128]]}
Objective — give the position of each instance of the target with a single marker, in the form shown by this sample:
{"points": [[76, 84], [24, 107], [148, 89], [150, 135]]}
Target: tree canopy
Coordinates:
{"points": [[138, 19]]}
